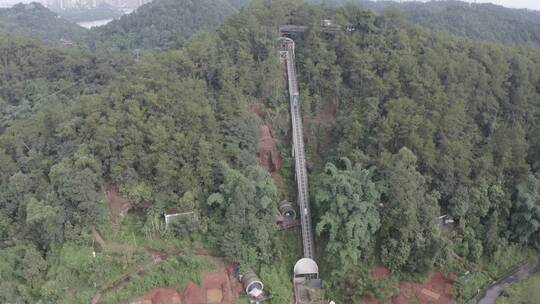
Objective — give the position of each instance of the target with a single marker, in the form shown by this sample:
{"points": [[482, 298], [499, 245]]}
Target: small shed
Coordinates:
{"points": [[172, 213]]}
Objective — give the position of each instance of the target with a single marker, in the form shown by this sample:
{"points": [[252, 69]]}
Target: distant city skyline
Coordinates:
{"points": [[68, 4]]}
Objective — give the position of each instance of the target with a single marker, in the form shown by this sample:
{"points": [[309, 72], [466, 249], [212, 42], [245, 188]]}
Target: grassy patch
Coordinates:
{"points": [[468, 285], [174, 272], [278, 277], [506, 258], [287, 172], [383, 288], [525, 292], [132, 231], [75, 275]]}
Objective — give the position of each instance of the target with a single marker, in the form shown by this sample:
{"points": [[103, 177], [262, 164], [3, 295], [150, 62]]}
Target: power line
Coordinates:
{"points": [[59, 91]]}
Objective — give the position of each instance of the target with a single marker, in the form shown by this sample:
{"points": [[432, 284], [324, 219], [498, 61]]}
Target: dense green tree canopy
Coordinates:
{"points": [[34, 76], [447, 126], [481, 21], [347, 200], [467, 110], [160, 24], [526, 217], [242, 215], [409, 233]]}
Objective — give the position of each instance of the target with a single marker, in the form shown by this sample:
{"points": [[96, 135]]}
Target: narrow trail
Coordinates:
{"points": [[98, 238]]}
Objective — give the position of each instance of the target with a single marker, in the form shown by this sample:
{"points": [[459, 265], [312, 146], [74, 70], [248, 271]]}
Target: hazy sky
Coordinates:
{"points": [[531, 4]]}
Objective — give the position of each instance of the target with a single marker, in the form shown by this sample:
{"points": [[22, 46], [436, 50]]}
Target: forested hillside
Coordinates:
{"points": [[402, 125], [173, 131], [34, 20], [34, 76], [160, 24], [482, 21], [445, 125]]}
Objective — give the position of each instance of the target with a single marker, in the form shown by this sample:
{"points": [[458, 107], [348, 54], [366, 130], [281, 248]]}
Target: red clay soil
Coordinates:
{"points": [[118, 206], [218, 286], [162, 296], [268, 155], [380, 272], [436, 289]]}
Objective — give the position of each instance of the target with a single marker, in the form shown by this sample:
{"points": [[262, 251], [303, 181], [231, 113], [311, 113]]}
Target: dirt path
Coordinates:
{"points": [[98, 238], [118, 206]]}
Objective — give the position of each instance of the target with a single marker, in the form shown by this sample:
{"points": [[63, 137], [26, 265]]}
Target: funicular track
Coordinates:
{"points": [[298, 152], [307, 284]]}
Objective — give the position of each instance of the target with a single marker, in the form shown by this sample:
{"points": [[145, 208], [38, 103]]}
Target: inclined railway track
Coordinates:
{"points": [[298, 152]]}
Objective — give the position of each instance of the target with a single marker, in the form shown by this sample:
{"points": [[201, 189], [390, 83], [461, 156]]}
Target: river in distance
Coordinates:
{"points": [[91, 24]]}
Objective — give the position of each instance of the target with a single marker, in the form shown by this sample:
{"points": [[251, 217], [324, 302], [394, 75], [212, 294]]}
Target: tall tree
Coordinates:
{"points": [[347, 200], [242, 214], [526, 212], [409, 233]]}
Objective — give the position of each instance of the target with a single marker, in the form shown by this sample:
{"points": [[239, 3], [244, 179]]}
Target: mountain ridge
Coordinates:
{"points": [[481, 21], [160, 24], [36, 21]]}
